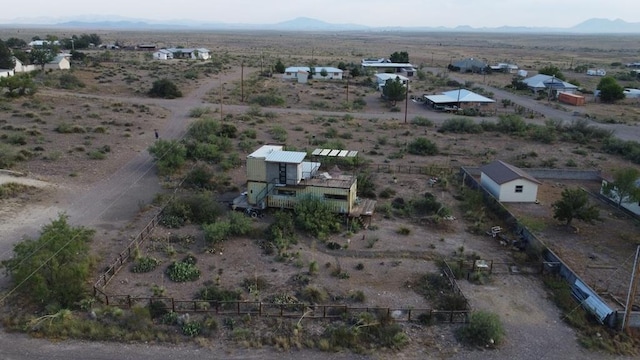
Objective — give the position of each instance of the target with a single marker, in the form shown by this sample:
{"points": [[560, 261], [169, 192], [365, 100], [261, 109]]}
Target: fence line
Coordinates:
{"points": [[296, 310], [412, 169], [122, 258]]}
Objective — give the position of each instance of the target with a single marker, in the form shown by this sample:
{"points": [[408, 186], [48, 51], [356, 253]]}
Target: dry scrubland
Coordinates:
{"points": [[76, 137]]}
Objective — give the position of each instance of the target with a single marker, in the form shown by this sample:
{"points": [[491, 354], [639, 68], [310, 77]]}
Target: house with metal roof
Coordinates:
{"points": [[508, 183], [458, 99], [277, 178], [405, 69], [190, 53], [332, 73], [163, 54], [470, 65], [549, 83], [381, 79]]}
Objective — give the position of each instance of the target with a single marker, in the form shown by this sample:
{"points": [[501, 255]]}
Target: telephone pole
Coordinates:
{"points": [[631, 295]]}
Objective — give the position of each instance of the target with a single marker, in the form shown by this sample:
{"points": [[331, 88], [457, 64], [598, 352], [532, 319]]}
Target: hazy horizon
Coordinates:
{"points": [[373, 13]]}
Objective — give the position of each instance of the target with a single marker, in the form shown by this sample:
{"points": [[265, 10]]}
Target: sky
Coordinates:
{"points": [[375, 13]]}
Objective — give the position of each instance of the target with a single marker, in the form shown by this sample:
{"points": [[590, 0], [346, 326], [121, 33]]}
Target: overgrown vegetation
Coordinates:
{"points": [[484, 329]]}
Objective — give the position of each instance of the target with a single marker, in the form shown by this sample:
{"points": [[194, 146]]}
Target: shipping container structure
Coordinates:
{"points": [[571, 99], [277, 178]]}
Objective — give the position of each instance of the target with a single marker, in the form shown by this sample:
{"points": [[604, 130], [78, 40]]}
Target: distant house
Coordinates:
{"points": [[549, 83], [381, 79], [190, 53], [146, 47], [374, 61], [508, 183], [163, 54], [405, 69], [596, 72], [504, 67], [21, 67], [470, 65], [332, 73], [60, 62], [455, 99], [41, 43]]}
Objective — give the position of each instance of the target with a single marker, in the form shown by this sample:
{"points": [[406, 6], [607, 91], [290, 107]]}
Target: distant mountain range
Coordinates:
{"points": [[591, 26]]}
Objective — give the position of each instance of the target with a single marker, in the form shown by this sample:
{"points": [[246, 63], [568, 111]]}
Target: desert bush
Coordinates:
{"points": [[199, 177], [145, 264], [422, 146], [484, 329], [314, 295], [267, 100], [278, 133], [460, 126], [511, 124], [69, 81], [168, 154], [164, 88], [199, 112], [181, 271], [316, 217], [213, 293], [280, 234], [421, 121]]}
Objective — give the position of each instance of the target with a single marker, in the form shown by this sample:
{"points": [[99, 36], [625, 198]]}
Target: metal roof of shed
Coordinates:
{"points": [[291, 157]]}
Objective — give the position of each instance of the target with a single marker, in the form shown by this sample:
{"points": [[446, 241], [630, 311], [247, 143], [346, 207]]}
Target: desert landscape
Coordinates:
{"points": [[83, 151]]}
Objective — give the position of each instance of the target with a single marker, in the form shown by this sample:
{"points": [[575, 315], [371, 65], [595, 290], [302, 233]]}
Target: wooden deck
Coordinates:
{"points": [[366, 207]]}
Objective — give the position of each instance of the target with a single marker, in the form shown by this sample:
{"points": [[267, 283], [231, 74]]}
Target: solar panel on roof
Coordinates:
{"points": [[352, 153], [316, 152], [325, 152], [334, 152], [343, 153]]}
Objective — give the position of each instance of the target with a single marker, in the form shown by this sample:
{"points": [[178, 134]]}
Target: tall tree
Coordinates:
{"points": [[574, 204], [401, 57], [54, 269], [15, 43], [552, 70], [279, 67], [394, 90], [40, 57], [610, 90], [6, 58], [624, 187]]}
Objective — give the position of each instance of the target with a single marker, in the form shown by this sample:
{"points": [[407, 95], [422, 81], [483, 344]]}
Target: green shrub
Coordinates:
{"points": [[181, 271], [460, 126], [191, 328], [164, 88], [267, 100], [145, 264], [213, 293], [484, 329], [422, 146], [421, 121]]}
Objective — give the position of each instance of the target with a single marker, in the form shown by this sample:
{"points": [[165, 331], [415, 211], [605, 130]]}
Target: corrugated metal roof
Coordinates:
{"points": [[386, 76], [265, 150], [465, 95], [502, 173], [291, 157]]}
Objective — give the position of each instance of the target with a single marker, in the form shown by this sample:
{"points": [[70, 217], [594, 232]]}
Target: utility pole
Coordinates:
{"points": [[406, 102], [242, 81], [221, 117], [631, 295]]}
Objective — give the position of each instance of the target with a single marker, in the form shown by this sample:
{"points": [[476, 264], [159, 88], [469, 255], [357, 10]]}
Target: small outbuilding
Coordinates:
{"points": [[508, 183]]}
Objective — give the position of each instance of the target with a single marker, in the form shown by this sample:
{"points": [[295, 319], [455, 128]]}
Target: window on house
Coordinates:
{"points": [[335, 197], [519, 188]]}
